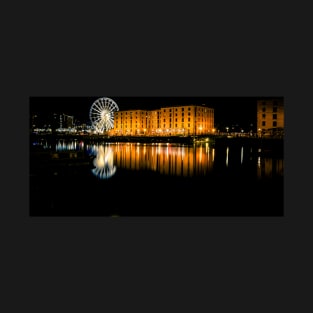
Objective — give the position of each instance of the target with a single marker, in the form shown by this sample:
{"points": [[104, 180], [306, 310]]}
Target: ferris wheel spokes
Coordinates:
{"points": [[102, 114]]}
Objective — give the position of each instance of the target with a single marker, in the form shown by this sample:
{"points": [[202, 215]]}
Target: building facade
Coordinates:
{"points": [[270, 117], [130, 123], [166, 121]]}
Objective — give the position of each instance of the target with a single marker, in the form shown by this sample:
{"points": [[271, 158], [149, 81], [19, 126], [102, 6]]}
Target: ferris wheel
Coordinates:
{"points": [[102, 114]]}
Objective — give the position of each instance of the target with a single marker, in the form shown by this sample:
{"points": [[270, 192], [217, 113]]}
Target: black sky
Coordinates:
{"points": [[227, 110]]}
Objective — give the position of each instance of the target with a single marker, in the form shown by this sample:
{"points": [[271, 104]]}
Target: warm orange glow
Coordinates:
{"points": [[169, 121], [165, 158]]}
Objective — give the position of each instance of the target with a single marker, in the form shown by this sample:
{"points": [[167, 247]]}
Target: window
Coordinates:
{"points": [[188, 125], [188, 119], [274, 124], [263, 115], [274, 109], [188, 109], [175, 119], [274, 116], [263, 109], [263, 123], [182, 119]]}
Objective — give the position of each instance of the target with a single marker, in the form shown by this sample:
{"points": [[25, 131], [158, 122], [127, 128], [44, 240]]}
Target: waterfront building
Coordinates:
{"points": [[270, 117], [130, 123], [166, 121]]}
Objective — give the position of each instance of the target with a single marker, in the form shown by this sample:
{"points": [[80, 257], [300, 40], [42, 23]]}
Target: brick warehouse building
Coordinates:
{"points": [[166, 121], [270, 117]]}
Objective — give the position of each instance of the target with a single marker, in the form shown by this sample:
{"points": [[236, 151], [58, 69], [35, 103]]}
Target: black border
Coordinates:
{"points": [[233, 54]]}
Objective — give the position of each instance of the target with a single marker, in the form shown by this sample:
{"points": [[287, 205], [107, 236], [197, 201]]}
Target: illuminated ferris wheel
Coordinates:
{"points": [[102, 114]]}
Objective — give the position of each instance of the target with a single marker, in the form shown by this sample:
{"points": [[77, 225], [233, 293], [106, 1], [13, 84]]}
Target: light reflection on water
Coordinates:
{"points": [[170, 159], [104, 163], [166, 159]]}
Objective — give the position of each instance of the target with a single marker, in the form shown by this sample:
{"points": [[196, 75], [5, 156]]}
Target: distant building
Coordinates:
{"points": [[270, 117], [34, 121], [66, 121], [61, 121], [166, 121]]}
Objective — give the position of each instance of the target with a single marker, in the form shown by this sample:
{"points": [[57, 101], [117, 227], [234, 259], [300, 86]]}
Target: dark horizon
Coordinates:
{"points": [[228, 111]]}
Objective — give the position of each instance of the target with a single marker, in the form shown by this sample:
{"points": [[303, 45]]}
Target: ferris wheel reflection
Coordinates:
{"points": [[104, 163]]}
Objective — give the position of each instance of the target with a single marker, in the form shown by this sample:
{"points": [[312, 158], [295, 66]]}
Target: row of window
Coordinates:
{"points": [[274, 116], [170, 110], [158, 112], [170, 115], [274, 123], [274, 109], [164, 126], [170, 119], [164, 121]]}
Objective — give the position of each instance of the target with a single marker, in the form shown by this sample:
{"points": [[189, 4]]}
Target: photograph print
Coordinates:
{"points": [[110, 156]]}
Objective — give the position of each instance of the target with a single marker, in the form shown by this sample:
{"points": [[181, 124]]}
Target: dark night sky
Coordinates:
{"points": [[227, 110]]}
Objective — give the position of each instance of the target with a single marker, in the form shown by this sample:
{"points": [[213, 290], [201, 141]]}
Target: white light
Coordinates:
{"points": [[102, 114], [227, 150], [104, 167], [241, 158]]}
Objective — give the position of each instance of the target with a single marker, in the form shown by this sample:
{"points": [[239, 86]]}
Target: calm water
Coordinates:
{"points": [[74, 178]]}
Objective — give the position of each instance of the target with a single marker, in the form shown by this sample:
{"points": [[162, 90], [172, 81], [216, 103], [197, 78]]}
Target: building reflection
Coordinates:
{"points": [[270, 167], [62, 145], [166, 159]]}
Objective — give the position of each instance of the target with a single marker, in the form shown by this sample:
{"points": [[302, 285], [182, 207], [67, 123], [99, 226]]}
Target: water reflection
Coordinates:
{"points": [[167, 159], [270, 167], [104, 163], [171, 159], [62, 145]]}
